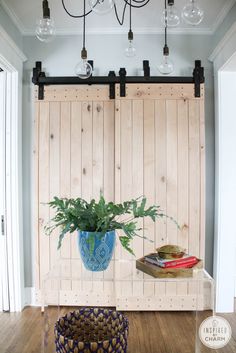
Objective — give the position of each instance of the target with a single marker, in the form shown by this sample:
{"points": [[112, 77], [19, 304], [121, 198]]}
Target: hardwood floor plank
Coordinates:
{"points": [[150, 332]]}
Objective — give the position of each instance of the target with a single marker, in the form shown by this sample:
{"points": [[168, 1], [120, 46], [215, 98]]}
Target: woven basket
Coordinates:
{"points": [[91, 330]]}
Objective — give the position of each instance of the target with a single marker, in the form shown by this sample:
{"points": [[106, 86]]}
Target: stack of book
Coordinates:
{"points": [[187, 261]]}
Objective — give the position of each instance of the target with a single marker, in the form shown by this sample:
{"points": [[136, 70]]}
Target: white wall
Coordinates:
{"points": [[226, 230], [60, 57]]}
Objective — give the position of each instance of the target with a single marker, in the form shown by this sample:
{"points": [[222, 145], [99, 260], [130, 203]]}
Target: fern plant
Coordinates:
{"points": [[101, 217]]}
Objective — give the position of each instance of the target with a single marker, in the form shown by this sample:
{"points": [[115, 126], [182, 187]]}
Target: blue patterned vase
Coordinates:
{"points": [[101, 256]]}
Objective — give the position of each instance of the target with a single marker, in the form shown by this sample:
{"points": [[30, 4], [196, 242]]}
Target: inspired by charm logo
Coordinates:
{"points": [[215, 332]]}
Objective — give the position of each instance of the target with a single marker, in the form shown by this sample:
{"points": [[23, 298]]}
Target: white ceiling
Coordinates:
{"points": [[24, 13]]}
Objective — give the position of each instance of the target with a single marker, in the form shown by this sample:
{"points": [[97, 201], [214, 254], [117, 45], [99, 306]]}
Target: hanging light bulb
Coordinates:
{"points": [[192, 13], [130, 51], [45, 28], [166, 67], [173, 19], [83, 69], [101, 7]]}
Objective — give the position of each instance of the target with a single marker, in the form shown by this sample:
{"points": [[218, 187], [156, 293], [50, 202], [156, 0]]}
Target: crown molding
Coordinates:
{"points": [[123, 30], [13, 16], [12, 44], [223, 42], [222, 15]]}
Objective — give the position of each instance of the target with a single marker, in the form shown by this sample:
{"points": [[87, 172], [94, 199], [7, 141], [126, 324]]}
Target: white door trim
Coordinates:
{"points": [[12, 221], [4, 285], [11, 59], [224, 252]]}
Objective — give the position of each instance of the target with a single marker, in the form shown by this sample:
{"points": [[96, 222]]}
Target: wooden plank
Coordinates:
{"points": [[44, 189], [194, 178], [76, 166], [98, 140], [172, 176], [87, 169], [65, 167], [109, 151], [159, 91], [137, 172], [194, 183], [137, 163], [183, 195], [203, 181], [182, 217], [76, 184], [54, 180], [149, 180], [63, 93], [117, 190], [87, 151], [36, 195], [126, 178], [172, 158], [98, 163], [72, 93], [109, 176], [118, 151], [65, 178], [161, 171]]}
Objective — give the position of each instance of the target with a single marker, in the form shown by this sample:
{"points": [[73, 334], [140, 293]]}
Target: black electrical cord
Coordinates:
{"points": [[141, 2], [84, 25], [121, 22], [74, 16], [130, 16], [166, 23]]}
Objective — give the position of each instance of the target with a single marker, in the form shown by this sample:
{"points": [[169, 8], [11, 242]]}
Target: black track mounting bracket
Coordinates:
{"points": [[112, 86], [37, 73], [198, 78], [146, 68], [122, 74], [91, 62]]}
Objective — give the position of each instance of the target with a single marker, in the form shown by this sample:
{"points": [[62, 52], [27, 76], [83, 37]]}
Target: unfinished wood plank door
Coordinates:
{"points": [[160, 154], [150, 143], [74, 157]]}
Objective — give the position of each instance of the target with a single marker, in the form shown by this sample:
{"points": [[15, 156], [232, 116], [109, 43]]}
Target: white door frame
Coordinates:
{"points": [[12, 222], [4, 285], [225, 130], [11, 60]]}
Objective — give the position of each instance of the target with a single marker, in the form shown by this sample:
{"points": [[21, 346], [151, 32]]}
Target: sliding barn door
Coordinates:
{"points": [[150, 143], [159, 153], [74, 157]]}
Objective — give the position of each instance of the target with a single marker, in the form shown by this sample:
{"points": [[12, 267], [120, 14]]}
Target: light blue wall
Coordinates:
{"points": [[60, 57], [229, 20], [10, 28]]}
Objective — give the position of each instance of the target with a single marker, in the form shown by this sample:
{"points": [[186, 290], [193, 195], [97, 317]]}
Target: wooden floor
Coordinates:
{"points": [[160, 332]]}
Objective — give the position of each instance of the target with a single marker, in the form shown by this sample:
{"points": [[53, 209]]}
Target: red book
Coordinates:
{"points": [[184, 261], [191, 260], [188, 265]]}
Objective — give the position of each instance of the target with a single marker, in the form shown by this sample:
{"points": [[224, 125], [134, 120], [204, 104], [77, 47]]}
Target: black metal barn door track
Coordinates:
{"points": [[40, 79]]}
